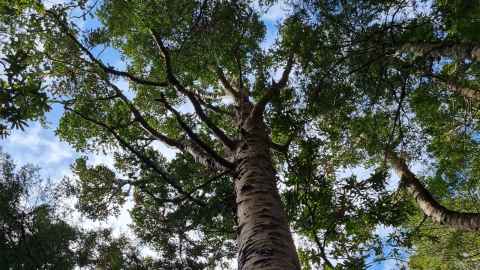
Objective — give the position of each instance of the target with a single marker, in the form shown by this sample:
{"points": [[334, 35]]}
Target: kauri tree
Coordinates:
{"points": [[264, 138]]}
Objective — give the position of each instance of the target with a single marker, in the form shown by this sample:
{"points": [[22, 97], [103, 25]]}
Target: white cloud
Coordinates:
{"points": [[168, 152], [39, 146], [277, 12], [106, 159], [51, 3]]}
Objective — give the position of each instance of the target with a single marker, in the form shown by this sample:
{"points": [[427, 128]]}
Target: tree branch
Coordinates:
{"points": [[445, 48], [191, 96], [167, 178], [226, 84], [197, 153], [455, 87], [192, 135], [212, 107], [426, 202], [273, 90], [106, 69], [321, 246], [143, 122]]}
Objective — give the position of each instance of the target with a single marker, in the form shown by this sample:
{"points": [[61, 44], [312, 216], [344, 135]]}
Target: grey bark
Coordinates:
{"points": [[264, 238], [461, 90], [428, 204], [445, 48]]}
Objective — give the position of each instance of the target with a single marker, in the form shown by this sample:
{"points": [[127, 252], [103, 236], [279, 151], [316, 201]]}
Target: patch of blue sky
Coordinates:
{"points": [[391, 257], [476, 137], [270, 35]]}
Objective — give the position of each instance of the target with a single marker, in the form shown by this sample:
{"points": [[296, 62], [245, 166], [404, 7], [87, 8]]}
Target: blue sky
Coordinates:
{"points": [[38, 144]]}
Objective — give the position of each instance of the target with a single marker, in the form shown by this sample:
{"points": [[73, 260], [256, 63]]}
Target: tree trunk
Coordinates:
{"points": [[264, 239], [429, 206]]}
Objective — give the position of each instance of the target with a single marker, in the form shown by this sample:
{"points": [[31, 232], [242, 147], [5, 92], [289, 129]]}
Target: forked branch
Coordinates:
{"points": [[98, 62], [220, 134], [274, 89], [194, 137], [196, 152], [147, 161]]}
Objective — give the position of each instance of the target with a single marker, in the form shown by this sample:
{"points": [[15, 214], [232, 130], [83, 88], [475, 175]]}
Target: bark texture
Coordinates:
{"points": [[445, 48], [459, 89], [426, 202], [264, 238]]}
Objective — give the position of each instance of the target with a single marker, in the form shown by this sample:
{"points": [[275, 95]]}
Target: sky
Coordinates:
{"points": [[38, 144]]}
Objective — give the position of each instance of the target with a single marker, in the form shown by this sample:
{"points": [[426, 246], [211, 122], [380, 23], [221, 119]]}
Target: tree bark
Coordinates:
{"points": [[264, 238], [429, 206], [461, 90], [445, 48]]}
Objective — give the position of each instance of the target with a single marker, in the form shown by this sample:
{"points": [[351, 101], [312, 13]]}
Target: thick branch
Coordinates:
{"points": [[455, 87], [323, 253], [185, 147], [199, 155], [214, 108], [279, 147], [143, 122], [106, 69], [215, 129], [202, 156], [426, 202], [191, 96], [147, 161], [282, 148], [226, 84], [445, 48], [195, 138]]}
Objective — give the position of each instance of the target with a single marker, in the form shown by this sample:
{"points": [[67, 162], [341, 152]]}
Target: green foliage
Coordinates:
{"points": [[32, 237], [460, 18], [100, 193], [22, 97], [188, 235]]}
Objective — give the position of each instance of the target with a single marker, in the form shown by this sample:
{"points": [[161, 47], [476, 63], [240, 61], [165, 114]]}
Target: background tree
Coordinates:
{"points": [[34, 235], [31, 237]]}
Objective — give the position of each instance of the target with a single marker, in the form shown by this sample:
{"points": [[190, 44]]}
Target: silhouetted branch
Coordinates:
{"points": [[147, 161]]}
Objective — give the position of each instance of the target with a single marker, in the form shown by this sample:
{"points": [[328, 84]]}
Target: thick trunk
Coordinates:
{"points": [[429, 206], [264, 239]]}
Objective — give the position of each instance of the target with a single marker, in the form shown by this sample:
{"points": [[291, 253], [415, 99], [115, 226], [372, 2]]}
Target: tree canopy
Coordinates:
{"points": [[264, 135]]}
